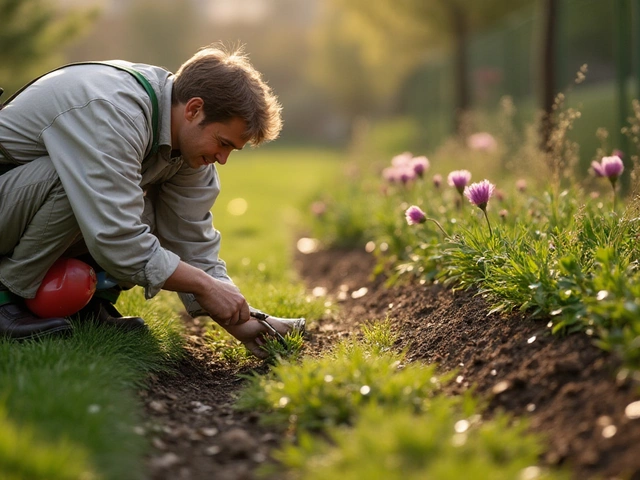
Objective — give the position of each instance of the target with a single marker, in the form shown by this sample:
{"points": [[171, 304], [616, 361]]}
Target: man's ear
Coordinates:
{"points": [[193, 108]]}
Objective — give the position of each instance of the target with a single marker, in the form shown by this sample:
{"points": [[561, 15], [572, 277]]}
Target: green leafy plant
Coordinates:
{"points": [[315, 393], [443, 442]]}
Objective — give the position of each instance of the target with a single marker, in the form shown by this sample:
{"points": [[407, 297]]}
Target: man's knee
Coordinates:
{"points": [[34, 207]]}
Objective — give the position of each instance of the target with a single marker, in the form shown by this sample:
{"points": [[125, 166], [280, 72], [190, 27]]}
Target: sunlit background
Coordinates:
{"points": [[396, 74]]}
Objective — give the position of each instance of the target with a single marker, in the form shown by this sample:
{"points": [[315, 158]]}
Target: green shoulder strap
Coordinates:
{"points": [[142, 80]]}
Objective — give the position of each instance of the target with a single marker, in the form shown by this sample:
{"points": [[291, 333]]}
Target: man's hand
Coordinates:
{"points": [[251, 334], [221, 300], [224, 302]]}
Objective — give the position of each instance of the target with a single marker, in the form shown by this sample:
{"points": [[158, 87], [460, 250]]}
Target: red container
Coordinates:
{"points": [[67, 287]]}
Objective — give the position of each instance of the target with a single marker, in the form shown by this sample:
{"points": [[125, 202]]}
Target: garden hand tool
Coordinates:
{"points": [[294, 323]]}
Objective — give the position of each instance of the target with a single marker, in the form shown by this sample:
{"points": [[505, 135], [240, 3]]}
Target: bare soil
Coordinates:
{"points": [[571, 391]]}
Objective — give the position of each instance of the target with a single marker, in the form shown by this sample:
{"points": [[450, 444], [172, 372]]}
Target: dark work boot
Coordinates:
{"points": [[102, 311], [18, 323]]}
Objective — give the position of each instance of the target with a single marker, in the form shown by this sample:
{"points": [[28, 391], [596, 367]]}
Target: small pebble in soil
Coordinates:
{"points": [[165, 461], [319, 291], [609, 431], [308, 245], [199, 407], [258, 457], [633, 410], [208, 431], [604, 421], [158, 443], [213, 450], [361, 292], [501, 387], [531, 339], [238, 443], [158, 406]]}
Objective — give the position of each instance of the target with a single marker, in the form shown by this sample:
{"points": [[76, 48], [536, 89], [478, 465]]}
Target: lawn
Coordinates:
{"points": [[69, 407]]}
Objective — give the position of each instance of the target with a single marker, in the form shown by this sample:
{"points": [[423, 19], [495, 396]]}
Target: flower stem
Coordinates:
{"points": [[439, 226], [484, 210]]}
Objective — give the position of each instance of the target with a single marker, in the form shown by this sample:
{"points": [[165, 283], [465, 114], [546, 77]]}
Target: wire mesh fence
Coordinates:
{"points": [[507, 60]]}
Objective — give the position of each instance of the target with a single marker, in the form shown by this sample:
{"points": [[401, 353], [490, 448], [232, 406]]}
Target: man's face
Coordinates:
{"points": [[214, 142]]}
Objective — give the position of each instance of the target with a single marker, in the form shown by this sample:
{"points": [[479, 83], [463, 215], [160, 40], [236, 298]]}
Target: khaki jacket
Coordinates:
{"points": [[94, 123]]}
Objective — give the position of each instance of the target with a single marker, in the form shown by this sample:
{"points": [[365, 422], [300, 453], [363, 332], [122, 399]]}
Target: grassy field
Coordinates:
{"points": [[260, 207], [68, 407]]}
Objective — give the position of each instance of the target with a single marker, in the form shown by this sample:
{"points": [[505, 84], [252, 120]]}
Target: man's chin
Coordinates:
{"points": [[195, 164]]}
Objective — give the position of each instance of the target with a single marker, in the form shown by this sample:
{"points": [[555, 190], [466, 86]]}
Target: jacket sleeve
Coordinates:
{"points": [[97, 149], [184, 223]]}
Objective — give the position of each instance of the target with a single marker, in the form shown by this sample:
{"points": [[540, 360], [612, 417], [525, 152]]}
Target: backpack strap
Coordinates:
{"points": [[142, 80]]}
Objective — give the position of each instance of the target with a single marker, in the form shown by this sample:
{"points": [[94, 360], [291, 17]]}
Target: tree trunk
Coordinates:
{"points": [[548, 69]]}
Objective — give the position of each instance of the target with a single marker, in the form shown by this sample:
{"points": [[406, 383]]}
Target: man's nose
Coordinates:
{"points": [[221, 158]]}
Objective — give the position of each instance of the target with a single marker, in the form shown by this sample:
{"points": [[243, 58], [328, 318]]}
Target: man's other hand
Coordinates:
{"points": [[224, 302]]}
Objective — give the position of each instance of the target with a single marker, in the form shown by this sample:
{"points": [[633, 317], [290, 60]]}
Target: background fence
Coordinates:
{"points": [[603, 34]]}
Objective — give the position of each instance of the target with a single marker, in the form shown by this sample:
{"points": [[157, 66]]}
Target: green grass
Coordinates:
{"points": [[565, 248], [68, 407], [79, 393], [362, 411], [261, 205], [442, 443]]}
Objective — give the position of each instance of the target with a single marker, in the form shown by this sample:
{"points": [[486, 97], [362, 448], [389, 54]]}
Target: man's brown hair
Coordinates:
{"points": [[231, 88]]}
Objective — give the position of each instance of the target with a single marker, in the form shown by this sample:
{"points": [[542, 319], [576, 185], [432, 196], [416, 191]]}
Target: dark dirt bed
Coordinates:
{"points": [[570, 390]]}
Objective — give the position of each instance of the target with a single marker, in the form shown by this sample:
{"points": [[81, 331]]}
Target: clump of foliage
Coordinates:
{"points": [[563, 249], [379, 416]]}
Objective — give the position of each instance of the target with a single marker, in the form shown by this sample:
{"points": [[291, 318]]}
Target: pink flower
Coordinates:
{"points": [[415, 215], [610, 167], [420, 165], [482, 142], [480, 193], [390, 174], [521, 185], [406, 174], [402, 160], [437, 180], [459, 179]]}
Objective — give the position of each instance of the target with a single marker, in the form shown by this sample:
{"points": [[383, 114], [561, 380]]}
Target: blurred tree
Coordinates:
{"points": [[32, 34], [400, 33], [548, 69]]}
